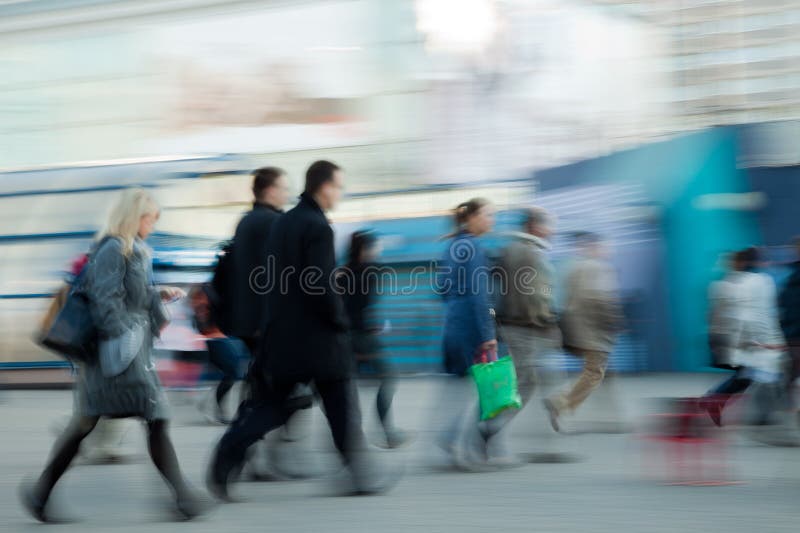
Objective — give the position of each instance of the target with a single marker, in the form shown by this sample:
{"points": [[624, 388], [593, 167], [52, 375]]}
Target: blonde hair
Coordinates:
{"points": [[126, 215]]}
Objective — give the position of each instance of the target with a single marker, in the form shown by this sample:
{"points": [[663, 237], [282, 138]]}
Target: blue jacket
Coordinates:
{"points": [[462, 278]]}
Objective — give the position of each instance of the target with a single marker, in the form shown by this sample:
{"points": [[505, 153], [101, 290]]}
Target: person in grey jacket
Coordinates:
{"points": [[128, 312], [591, 318], [526, 312]]}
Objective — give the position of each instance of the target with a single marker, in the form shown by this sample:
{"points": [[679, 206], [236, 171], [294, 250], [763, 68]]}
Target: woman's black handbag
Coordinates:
{"points": [[73, 333]]}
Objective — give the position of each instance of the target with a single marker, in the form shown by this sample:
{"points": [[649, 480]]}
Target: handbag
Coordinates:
{"points": [[496, 381], [72, 333]]}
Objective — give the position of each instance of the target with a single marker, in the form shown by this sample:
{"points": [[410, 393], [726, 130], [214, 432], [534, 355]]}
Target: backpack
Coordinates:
{"points": [[203, 319], [219, 291]]}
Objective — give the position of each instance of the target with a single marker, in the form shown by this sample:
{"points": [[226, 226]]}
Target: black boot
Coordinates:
{"points": [[32, 503]]}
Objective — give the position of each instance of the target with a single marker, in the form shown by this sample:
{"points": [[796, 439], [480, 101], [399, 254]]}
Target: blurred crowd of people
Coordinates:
{"points": [[278, 299]]}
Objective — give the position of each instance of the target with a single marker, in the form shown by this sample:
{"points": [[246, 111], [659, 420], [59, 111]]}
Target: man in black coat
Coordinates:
{"points": [[246, 310], [305, 339], [239, 310]]}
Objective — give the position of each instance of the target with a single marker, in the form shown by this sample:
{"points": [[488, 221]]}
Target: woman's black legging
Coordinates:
{"points": [[67, 446]]}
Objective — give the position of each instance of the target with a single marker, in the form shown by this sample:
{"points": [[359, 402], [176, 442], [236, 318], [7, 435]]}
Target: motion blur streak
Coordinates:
{"points": [[667, 130]]}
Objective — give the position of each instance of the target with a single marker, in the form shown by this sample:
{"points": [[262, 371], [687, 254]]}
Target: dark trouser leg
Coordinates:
{"points": [[340, 400], [64, 451], [252, 344], [224, 354], [223, 389], [736, 384], [254, 419], [384, 402], [386, 389], [163, 455], [254, 372]]}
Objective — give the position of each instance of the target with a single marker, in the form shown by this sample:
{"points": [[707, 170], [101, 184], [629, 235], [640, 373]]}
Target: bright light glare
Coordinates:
{"points": [[464, 26]]}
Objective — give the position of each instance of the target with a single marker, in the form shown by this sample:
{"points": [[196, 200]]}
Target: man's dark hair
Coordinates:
{"points": [[318, 174], [264, 178], [748, 258], [533, 217]]}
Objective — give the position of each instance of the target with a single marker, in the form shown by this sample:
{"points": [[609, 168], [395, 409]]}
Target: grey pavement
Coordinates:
{"points": [[607, 489]]}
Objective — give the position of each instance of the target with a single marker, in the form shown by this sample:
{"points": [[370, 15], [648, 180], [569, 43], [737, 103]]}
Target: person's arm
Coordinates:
{"points": [[542, 294], [477, 287], [602, 295], [106, 290], [159, 316], [317, 282], [442, 278], [371, 316]]}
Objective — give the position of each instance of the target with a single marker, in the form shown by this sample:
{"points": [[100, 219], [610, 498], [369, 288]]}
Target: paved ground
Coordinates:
{"points": [[604, 491]]}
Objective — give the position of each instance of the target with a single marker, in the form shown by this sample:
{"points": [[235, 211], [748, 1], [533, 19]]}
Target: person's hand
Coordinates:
{"points": [[488, 346], [170, 294]]}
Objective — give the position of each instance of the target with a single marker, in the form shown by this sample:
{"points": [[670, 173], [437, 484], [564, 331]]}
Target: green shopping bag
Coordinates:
{"points": [[497, 386]]}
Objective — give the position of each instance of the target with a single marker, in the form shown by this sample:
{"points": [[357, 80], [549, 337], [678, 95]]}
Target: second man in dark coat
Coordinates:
{"points": [[249, 252]]}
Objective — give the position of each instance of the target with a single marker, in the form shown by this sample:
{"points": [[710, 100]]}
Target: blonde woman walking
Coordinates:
{"points": [[128, 313]]}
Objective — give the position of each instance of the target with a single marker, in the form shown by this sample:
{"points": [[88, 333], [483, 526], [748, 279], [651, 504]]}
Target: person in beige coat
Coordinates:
{"points": [[590, 321]]}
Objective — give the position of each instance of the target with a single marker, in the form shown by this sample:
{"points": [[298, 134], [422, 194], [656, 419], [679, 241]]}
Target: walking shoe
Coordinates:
{"points": [[398, 438], [190, 507], [216, 414], [552, 412], [370, 477], [211, 410], [714, 409], [35, 506], [217, 480]]}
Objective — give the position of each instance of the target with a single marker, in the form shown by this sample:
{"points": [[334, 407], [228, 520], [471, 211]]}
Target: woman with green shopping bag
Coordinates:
{"points": [[462, 278]]}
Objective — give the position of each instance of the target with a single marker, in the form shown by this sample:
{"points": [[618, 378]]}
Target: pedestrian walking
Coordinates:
{"points": [[463, 279], [359, 284], [723, 332], [526, 310], [242, 306], [750, 340], [591, 318], [224, 353], [128, 312]]}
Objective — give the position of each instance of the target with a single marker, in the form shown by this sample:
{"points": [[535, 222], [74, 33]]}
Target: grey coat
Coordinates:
{"points": [[592, 316], [527, 300], [122, 297]]}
